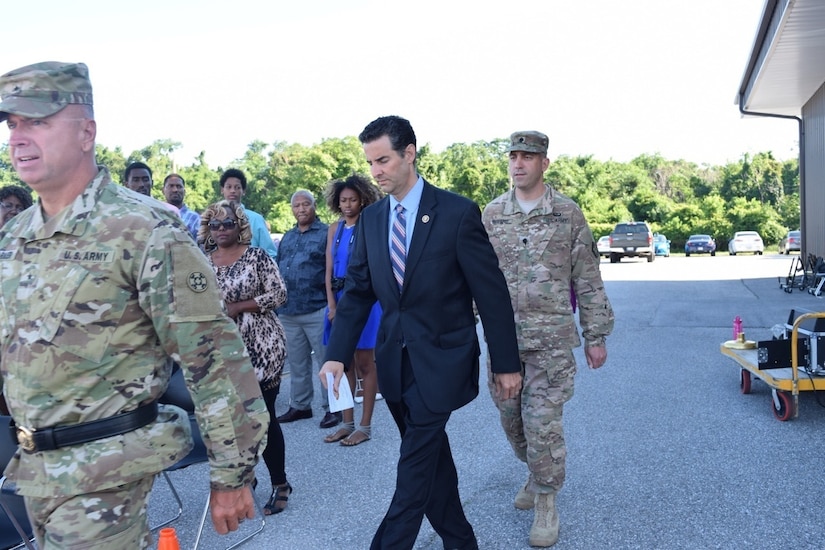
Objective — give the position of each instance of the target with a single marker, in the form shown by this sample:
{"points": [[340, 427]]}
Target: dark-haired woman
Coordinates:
{"points": [[348, 197], [13, 200]]}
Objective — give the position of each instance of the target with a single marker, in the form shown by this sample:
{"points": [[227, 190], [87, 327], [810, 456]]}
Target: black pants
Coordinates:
{"points": [[426, 480]]}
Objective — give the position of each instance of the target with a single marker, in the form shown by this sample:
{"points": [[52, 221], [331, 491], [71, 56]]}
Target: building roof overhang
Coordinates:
{"points": [[787, 61]]}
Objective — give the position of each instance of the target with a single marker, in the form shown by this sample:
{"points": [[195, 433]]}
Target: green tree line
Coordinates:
{"points": [[675, 197]]}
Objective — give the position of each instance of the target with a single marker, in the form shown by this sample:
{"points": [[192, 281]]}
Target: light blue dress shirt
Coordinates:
{"points": [[410, 203]]}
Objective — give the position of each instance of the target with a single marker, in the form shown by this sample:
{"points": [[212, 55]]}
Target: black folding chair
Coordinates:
{"points": [[818, 276], [795, 277], [177, 394], [15, 529]]}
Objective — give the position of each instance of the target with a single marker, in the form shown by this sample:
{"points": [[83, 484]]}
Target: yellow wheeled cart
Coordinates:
{"points": [[785, 382]]}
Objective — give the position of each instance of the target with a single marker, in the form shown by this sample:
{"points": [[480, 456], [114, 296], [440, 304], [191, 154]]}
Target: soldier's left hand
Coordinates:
{"points": [[230, 508], [596, 356]]}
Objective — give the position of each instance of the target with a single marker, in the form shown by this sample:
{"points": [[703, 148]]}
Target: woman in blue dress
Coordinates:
{"points": [[348, 197]]}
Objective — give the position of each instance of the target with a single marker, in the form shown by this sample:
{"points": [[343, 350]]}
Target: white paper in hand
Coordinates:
{"points": [[344, 400]]}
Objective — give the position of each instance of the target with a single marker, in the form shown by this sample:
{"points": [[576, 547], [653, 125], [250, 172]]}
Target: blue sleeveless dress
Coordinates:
{"points": [[344, 239]]}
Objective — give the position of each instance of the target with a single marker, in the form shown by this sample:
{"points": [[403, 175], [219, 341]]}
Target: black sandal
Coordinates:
{"points": [[280, 493]]}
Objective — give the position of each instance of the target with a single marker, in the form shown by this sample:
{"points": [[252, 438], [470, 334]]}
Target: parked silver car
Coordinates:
{"points": [[746, 241], [791, 241]]}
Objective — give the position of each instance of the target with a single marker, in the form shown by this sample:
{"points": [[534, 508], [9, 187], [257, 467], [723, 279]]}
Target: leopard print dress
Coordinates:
{"points": [[255, 276]]}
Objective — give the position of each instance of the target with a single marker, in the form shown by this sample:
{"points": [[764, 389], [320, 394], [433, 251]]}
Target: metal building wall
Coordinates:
{"points": [[813, 232]]}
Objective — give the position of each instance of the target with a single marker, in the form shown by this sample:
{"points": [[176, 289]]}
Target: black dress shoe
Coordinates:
{"points": [[294, 414], [331, 419]]}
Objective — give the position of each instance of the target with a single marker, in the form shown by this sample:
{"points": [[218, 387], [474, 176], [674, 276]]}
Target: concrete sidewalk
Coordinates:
{"points": [[664, 452]]}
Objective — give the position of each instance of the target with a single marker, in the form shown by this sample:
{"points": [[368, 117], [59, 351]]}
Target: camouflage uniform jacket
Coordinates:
{"points": [[92, 301], [541, 253]]}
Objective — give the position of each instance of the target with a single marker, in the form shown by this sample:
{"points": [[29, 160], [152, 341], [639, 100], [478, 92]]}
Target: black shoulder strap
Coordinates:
{"points": [[338, 234]]}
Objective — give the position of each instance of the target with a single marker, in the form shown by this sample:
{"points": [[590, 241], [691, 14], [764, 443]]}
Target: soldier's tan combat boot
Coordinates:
{"points": [[525, 499], [545, 530]]}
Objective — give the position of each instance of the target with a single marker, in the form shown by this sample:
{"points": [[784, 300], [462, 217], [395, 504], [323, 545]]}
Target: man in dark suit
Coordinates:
{"points": [[425, 264]]}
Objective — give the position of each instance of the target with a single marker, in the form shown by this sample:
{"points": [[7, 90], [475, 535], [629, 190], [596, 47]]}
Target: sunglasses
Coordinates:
{"points": [[214, 225]]}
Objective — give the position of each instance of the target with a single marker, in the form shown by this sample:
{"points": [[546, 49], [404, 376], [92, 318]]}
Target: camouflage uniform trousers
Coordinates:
{"points": [[114, 519], [532, 421]]}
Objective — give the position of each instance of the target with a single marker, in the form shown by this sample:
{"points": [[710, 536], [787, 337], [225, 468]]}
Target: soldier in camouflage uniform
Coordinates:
{"points": [[98, 286], [545, 249]]}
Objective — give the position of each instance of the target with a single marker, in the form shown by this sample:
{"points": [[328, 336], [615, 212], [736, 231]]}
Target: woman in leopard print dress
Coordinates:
{"points": [[252, 290]]}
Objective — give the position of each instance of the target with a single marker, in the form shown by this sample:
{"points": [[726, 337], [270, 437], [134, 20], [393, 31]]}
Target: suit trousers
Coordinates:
{"points": [[427, 481], [304, 347]]}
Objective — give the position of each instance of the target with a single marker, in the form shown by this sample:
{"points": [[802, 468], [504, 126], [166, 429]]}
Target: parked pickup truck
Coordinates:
{"points": [[631, 239]]}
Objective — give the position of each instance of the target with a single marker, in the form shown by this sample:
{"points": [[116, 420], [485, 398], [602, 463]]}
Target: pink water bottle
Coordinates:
{"points": [[737, 327]]}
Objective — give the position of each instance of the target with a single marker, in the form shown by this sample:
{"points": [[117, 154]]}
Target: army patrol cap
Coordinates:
{"points": [[529, 142], [43, 89]]}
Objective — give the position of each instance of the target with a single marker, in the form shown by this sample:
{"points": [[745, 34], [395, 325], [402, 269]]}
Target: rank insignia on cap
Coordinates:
{"points": [[197, 281], [529, 142]]}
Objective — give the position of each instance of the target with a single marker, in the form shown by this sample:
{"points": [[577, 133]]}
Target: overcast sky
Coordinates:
{"points": [[601, 77]]}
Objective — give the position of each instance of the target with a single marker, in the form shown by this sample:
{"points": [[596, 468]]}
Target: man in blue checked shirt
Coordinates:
{"points": [[302, 261]]}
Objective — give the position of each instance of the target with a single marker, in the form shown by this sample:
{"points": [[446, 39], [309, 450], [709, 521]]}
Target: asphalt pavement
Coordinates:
{"points": [[664, 452]]}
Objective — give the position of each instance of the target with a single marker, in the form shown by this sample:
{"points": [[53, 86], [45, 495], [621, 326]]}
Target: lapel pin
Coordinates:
{"points": [[425, 218]]}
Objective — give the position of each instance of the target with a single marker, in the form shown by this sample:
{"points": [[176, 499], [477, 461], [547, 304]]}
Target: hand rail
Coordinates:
{"points": [[795, 355]]}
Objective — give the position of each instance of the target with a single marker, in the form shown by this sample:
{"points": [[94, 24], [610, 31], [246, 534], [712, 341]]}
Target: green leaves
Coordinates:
{"points": [[677, 198]]}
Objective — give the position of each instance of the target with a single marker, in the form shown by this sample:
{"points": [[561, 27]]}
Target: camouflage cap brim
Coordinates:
{"points": [[526, 148], [28, 108]]}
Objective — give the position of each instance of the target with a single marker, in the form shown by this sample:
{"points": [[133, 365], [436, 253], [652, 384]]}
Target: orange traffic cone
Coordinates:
{"points": [[168, 539]]}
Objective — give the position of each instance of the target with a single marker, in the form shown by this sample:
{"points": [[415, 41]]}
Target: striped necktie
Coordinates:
{"points": [[398, 248]]}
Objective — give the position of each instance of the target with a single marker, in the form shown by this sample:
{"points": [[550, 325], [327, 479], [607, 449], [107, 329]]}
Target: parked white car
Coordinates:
{"points": [[746, 241], [603, 244]]}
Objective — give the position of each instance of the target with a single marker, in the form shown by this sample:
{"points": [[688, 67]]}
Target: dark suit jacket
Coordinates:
{"points": [[449, 264]]}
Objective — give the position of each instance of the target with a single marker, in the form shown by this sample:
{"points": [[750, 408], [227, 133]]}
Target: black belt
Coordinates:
{"points": [[49, 439]]}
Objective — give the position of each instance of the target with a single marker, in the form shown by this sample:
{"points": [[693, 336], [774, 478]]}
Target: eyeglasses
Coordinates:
{"points": [[214, 225], [11, 206]]}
